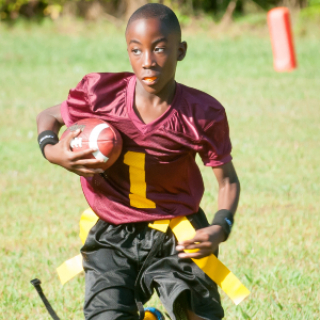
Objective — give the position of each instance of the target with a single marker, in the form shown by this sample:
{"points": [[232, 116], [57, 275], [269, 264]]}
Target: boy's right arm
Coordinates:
{"points": [[61, 153]]}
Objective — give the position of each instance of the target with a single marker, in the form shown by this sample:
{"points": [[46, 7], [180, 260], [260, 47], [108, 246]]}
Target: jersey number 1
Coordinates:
{"points": [[138, 186]]}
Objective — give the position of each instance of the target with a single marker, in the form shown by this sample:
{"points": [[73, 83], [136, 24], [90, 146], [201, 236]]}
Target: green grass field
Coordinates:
{"points": [[274, 120]]}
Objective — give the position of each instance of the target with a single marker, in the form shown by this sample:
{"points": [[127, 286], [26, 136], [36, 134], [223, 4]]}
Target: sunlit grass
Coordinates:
{"points": [[274, 122]]}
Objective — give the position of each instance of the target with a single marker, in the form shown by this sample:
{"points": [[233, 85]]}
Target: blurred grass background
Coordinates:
{"points": [[274, 120]]}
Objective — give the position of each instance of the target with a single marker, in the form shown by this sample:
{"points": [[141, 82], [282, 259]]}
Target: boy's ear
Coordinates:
{"points": [[182, 50]]}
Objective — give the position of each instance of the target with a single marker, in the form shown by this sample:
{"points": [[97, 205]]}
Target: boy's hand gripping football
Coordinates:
{"points": [[205, 242], [62, 155]]}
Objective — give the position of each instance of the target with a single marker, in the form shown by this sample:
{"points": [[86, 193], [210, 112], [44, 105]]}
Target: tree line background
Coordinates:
{"points": [[120, 10]]}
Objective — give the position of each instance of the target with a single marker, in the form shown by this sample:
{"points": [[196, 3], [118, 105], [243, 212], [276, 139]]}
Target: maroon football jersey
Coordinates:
{"points": [[156, 176]]}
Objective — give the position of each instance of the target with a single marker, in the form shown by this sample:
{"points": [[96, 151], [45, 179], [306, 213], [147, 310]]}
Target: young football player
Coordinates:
{"points": [[164, 124]]}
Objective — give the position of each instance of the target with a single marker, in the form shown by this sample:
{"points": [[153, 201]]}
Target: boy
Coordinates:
{"points": [[163, 125]]}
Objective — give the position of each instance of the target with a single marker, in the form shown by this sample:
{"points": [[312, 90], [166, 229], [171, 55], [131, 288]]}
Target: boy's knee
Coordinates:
{"points": [[109, 312], [192, 316], [111, 315], [115, 303], [181, 309]]}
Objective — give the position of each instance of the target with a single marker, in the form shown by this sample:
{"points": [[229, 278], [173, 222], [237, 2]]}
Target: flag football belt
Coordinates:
{"points": [[183, 230]]}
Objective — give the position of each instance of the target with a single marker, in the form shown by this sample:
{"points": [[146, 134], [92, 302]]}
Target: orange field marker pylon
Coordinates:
{"points": [[284, 58]]}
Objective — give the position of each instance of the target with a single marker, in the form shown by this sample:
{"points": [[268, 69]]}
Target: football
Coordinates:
{"points": [[97, 134]]}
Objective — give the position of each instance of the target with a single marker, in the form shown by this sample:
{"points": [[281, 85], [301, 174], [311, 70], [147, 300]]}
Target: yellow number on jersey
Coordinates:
{"points": [[138, 187]]}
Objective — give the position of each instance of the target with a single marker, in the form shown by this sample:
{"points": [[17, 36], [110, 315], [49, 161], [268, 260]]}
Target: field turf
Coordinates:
{"points": [[274, 121]]}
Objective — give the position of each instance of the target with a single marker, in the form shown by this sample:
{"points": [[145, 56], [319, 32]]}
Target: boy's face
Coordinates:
{"points": [[153, 53]]}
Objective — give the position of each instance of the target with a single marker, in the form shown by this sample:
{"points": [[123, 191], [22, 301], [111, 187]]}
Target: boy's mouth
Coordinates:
{"points": [[149, 80]]}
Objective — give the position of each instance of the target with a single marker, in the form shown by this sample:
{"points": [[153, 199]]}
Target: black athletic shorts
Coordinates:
{"points": [[112, 258]]}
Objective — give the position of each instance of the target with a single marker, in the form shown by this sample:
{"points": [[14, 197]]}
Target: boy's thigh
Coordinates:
{"points": [[105, 302], [110, 278], [109, 291], [182, 286]]}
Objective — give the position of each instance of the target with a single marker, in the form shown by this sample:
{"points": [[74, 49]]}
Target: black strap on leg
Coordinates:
{"points": [[140, 307], [152, 253], [36, 283]]}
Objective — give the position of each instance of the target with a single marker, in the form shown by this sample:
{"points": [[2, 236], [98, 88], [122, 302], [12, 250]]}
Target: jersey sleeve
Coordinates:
{"points": [[95, 94], [215, 144], [78, 105]]}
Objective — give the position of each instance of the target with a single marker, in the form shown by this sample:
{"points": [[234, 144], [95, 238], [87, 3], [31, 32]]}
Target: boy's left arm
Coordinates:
{"points": [[208, 239]]}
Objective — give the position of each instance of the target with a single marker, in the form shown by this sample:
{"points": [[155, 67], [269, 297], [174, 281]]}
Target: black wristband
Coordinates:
{"points": [[47, 137], [224, 218]]}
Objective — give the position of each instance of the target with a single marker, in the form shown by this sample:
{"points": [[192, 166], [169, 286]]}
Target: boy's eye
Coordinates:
{"points": [[159, 49], [136, 51]]}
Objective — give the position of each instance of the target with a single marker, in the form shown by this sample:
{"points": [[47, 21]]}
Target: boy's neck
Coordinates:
{"points": [[149, 106]]}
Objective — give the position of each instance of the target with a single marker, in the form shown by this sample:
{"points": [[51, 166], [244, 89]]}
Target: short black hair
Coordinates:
{"points": [[157, 10]]}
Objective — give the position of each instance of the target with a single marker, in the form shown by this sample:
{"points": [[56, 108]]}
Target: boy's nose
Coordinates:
{"points": [[148, 60]]}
